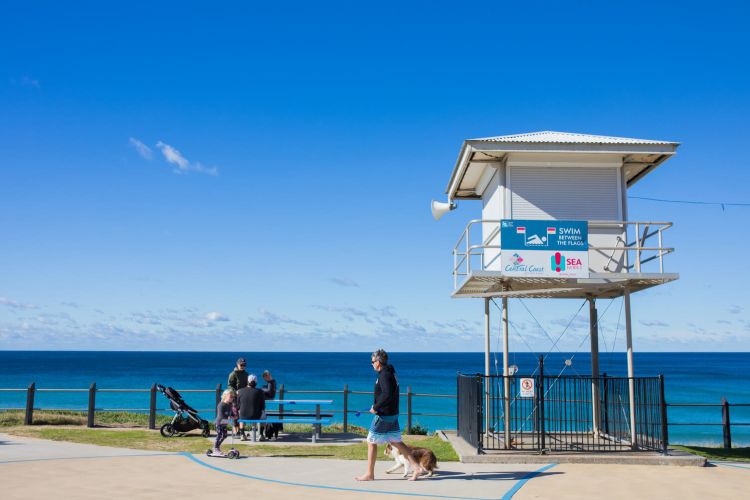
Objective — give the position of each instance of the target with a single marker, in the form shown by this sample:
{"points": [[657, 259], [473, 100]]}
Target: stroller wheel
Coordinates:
{"points": [[206, 431], [167, 430]]}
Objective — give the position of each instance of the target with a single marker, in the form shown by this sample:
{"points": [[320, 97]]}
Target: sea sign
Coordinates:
{"points": [[544, 248]]}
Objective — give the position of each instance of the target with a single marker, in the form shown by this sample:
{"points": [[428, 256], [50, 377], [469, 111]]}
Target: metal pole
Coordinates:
{"points": [[487, 416], [506, 374], [346, 407], [540, 390], [92, 405], [281, 407], [152, 409], [725, 425], [638, 248], [408, 409], [664, 428], [605, 410], [218, 394], [594, 334], [29, 417], [631, 372]]}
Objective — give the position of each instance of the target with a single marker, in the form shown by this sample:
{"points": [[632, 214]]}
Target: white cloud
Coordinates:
{"points": [[651, 323], [216, 316], [181, 164], [4, 301], [25, 81], [344, 282], [142, 149]]}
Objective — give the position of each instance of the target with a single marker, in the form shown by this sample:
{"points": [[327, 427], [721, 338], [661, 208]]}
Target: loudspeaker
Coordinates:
{"points": [[440, 208]]}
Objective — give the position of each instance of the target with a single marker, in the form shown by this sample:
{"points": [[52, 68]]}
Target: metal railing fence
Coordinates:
{"points": [[153, 409], [642, 243], [726, 423], [562, 414]]}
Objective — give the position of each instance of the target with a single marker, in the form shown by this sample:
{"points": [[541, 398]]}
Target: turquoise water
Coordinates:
{"points": [[689, 378]]}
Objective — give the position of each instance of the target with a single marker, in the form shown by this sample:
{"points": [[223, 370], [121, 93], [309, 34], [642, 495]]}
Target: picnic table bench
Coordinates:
{"points": [[317, 420]]}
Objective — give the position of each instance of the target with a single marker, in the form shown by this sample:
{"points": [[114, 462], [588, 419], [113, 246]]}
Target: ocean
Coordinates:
{"points": [[689, 378]]}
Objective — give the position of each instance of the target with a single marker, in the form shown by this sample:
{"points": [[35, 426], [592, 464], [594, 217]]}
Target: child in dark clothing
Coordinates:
{"points": [[223, 413]]}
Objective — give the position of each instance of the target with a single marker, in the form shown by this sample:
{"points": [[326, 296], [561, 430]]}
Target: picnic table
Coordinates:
{"points": [[295, 418]]}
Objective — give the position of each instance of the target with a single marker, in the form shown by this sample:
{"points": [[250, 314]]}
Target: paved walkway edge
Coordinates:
{"points": [[468, 454]]}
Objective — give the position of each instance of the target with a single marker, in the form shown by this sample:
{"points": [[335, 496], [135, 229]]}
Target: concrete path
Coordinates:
{"points": [[33, 468]]}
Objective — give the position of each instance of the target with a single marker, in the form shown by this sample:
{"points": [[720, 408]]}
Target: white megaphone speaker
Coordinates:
{"points": [[440, 208]]}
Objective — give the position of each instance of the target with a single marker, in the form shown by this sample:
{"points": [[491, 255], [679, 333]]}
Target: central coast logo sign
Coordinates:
{"points": [[519, 264], [559, 263]]}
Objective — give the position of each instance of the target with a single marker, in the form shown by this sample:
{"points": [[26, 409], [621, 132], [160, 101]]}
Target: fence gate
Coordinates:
{"points": [[469, 415], [561, 414]]}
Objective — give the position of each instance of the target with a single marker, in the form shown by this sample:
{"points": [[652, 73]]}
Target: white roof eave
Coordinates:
{"points": [[469, 147]]}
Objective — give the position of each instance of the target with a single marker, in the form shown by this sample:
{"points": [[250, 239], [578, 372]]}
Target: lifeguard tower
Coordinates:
{"points": [[555, 225]]}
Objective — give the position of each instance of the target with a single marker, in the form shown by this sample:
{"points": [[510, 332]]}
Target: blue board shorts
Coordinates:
{"points": [[384, 429]]}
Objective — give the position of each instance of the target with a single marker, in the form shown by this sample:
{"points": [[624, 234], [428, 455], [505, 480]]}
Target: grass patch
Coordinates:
{"points": [[730, 454], [141, 439], [65, 417]]}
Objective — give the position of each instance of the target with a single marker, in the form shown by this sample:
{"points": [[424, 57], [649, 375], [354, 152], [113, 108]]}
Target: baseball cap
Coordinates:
{"points": [[241, 361]]}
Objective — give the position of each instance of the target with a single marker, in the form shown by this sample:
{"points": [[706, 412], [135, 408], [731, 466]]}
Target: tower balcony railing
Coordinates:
{"points": [[615, 247]]}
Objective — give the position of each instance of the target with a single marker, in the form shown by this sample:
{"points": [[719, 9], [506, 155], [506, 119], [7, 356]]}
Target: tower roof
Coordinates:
{"points": [[638, 156]]}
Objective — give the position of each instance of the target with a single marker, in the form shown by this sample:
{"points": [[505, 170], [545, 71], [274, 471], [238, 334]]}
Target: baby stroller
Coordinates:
{"points": [[185, 417]]}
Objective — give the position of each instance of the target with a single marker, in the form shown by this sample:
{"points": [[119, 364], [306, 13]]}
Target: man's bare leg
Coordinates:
{"points": [[405, 451], [372, 454]]}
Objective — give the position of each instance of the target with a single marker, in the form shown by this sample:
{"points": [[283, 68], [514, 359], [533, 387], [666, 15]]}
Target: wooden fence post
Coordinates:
{"points": [[725, 425], [408, 409], [346, 407], [152, 409], [92, 405], [29, 417]]}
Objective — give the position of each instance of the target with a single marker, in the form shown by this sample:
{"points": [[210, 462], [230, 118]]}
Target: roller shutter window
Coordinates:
{"points": [[577, 193]]}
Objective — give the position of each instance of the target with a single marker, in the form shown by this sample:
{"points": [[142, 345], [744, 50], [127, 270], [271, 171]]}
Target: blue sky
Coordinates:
{"points": [[244, 176]]}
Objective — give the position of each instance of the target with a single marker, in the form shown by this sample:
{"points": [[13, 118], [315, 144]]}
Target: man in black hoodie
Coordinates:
{"points": [[251, 404], [384, 428]]}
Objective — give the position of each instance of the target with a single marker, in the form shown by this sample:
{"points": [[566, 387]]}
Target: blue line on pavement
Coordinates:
{"points": [[320, 486], [531, 475]]}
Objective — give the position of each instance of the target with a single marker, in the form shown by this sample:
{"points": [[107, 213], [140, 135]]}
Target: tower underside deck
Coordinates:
{"points": [[599, 285]]}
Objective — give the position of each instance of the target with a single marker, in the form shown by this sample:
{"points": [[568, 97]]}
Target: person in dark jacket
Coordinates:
{"points": [[384, 427], [238, 378], [251, 403], [269, 389]]}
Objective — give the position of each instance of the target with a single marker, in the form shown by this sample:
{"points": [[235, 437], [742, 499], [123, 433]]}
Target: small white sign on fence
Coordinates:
{"points": [[527, 387]]}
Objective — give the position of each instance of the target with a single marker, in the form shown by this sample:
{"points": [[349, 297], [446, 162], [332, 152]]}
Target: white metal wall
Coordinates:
{"points": [[492, 206], [574, 193]]}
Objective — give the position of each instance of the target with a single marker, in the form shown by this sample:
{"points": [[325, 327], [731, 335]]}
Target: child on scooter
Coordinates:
{"points": [[223, 413]]}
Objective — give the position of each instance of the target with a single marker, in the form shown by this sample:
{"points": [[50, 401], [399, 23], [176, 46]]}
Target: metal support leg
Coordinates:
{"points": [[317, 427], [506, 374], [631, 380], [594, 333], [487, 406]]}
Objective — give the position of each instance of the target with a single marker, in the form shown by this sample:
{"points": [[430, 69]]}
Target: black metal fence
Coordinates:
{"points": [[469, 410], [342, 411], [726, 423], [561, 413]]}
